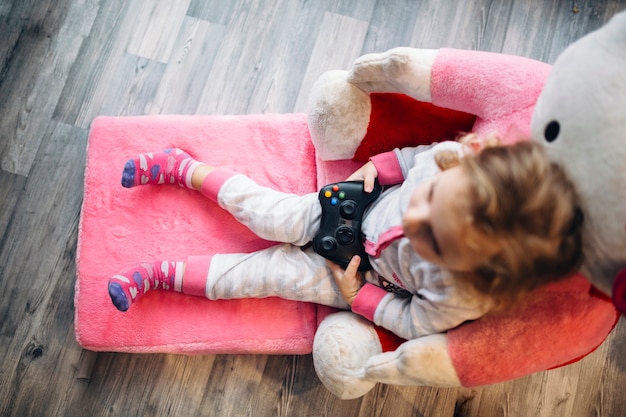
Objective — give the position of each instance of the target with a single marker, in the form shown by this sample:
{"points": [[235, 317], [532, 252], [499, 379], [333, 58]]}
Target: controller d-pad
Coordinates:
{"points": [[345, 235], [348, 209]]}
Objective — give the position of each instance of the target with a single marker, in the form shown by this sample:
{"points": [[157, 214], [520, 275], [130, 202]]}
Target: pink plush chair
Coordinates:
{"points": [[119, 226]]}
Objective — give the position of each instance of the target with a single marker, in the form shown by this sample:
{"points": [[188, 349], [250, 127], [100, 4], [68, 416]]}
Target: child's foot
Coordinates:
{"points": [[128, 286], [170, 166]]}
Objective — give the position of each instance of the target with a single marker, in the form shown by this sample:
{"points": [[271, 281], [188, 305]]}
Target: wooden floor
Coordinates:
{"points": [[62, 62]]}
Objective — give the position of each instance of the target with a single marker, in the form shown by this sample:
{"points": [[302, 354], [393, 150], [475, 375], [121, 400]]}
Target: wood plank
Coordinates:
{"points": [[359, 10], [219, 13], [532, 23], [138, 81], [574, 21], [337, 45], [155, 29], [16, 141], [477, 25], [114, 378], [42, 56], [6, 8], [10, 187], [189, 68], [608, 395], [298, 64], [388, 400], [92, 74], [245, 65], [40, 227], [37, 258], [290, 387], [391, 25], [27, 16]]}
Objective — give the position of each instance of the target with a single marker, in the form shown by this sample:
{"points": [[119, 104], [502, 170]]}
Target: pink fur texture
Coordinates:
{"points": [[271, 149], [574, 319], [501, 90]]}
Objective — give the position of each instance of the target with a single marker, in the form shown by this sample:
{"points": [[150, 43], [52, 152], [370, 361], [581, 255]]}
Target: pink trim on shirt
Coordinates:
{"points": [[367, 299], [388, 167], [384, 240], [214, 181]]}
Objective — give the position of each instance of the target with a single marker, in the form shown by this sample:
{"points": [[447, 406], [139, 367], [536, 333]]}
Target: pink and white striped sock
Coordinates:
{"points": [[169, 166], [131, 284]]}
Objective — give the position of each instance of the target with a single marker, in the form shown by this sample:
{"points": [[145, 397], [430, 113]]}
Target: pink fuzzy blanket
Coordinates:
{"points": [[123, 226]]}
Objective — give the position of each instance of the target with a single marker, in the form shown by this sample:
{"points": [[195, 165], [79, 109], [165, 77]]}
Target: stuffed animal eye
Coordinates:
{"points": [[552, 131]]}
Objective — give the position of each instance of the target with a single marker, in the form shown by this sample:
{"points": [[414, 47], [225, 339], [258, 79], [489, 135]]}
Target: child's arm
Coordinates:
{"points": [[389, 167], [416, 316], [408, 317]]}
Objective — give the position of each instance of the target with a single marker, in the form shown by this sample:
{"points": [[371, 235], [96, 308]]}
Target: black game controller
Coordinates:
{"points": [[339, 237]]}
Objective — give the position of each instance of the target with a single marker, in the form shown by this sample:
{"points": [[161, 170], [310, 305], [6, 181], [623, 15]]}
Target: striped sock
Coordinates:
{"points": [[169, 166], [131, 284]]}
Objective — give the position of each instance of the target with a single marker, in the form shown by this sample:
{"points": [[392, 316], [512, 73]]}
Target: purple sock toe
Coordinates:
{"points": [[118, 297], [128, 176], [154, 172]]}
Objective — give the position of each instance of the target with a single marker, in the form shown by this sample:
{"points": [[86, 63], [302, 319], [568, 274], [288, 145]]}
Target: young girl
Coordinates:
{"points": [[454, 235]]}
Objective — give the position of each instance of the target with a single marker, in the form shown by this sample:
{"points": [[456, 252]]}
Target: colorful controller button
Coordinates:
{"points": [[333, 201], [342, 195], [335, 188], [328, 194]]}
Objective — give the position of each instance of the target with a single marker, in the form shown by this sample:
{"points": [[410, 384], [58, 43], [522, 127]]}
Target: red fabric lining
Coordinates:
{"points": [[398, 121]]}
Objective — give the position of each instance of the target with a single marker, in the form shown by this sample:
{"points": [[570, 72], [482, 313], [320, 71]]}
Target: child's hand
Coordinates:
{"points": [[367, 173], [349, 281]]}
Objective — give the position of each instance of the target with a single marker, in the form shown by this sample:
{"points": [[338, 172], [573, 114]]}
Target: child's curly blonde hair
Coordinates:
{"points": [[526, 206]]}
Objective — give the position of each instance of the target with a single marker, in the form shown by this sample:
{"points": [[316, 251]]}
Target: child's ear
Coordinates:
{"points": [[446, 159]]}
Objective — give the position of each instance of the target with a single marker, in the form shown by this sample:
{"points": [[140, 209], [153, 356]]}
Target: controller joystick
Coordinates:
{"points": [[328, 244], [348, 209], [339, 238]]}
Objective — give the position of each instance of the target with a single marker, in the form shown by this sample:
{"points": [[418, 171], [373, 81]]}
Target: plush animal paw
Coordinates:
{"points": [[399, 70], [338, 116], [349, 358], [343, 343]]}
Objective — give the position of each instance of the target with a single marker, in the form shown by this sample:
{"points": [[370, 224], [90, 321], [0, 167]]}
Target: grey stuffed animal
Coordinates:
{"points": [[581, 118]]}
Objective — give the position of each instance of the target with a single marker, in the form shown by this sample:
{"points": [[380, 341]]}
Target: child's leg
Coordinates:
{"points": [[283, 271], [270, 214]]}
